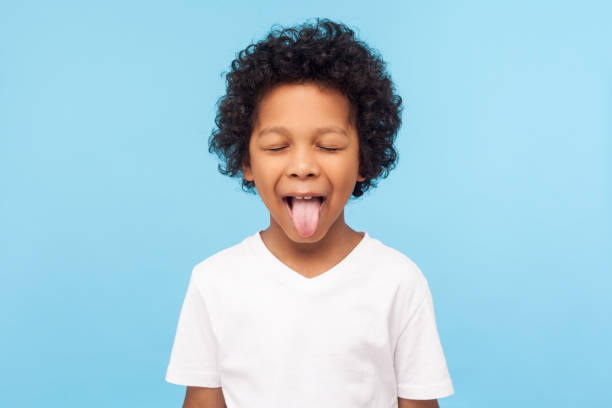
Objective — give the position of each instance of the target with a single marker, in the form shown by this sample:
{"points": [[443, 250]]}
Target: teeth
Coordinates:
{"points": [[303, 198]]}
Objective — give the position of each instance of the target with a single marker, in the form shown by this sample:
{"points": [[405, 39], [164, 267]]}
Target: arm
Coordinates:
{"points": [[203, 397], [407, 403]]}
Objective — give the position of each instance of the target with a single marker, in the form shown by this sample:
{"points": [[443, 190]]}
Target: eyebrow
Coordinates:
{"points": [[318, 131]]}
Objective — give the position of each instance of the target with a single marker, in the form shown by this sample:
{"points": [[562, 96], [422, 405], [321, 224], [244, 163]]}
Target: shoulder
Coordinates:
{"points": [[222, 264], [395, 261], [406, 278], [395, 265]]}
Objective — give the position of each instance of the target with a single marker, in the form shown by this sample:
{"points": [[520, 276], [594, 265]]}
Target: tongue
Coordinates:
{"points": [[305, 215]]}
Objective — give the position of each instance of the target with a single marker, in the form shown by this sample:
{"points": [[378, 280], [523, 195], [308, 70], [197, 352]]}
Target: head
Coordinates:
{"points": [[300, 80]]}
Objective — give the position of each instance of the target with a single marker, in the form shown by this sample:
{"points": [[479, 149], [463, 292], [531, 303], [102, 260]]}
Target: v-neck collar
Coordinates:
{"points": [[283, 272]]}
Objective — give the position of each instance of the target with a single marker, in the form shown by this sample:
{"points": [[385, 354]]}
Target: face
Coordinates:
{"points": [[304, 143]]}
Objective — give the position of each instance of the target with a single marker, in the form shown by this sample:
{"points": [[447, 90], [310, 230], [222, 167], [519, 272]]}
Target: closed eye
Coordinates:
{"points": [[330, 149]]}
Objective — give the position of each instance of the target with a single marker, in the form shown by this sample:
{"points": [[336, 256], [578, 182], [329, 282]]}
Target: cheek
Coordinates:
{"points": [[343, 175], [347, 166], [266, 172]]}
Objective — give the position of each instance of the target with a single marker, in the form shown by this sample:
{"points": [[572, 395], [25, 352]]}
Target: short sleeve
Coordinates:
{"points": [[420, 365], [193, 359]]}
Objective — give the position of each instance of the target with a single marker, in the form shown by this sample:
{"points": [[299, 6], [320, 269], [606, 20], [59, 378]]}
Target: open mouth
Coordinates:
{"points": [[291, 199]]}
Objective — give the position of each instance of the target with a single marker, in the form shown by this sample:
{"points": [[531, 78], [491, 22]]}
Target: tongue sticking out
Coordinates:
{"points": [[305, 215]]}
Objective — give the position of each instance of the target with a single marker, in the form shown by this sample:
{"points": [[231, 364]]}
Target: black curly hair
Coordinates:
{"points": [[326, 53]]}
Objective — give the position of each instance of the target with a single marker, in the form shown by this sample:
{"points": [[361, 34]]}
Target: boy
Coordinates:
{"points": [[309, 312]]}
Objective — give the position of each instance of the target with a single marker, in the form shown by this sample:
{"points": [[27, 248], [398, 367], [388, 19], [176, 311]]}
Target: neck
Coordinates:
{"points": [[338, 236]]}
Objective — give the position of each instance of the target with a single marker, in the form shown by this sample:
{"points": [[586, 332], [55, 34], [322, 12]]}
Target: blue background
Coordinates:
{"points": [[109, 196]]}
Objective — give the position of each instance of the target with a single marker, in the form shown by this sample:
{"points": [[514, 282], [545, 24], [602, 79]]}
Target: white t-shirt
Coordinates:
{"points": [[361, 334]]}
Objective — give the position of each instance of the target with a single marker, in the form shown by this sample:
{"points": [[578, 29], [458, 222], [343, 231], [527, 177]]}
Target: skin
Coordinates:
{"points": [[289, 119], [302, 164], [203, 397], [406, 403]]}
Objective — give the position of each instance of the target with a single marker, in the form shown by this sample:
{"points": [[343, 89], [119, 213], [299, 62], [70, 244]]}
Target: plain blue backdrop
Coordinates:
{"points": [[109, 196]]}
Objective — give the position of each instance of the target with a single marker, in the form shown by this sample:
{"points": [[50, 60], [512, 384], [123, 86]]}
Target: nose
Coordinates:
{"points": [[302, 164]]}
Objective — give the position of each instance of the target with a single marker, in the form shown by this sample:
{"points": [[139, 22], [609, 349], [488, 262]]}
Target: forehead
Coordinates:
{"points": [[303, 104]]}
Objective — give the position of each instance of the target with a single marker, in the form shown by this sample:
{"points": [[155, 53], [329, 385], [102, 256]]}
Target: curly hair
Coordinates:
{"points": [[327, 53]]}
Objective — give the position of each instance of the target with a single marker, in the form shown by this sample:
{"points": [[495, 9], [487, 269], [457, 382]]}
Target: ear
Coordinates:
{"points": [[247, 173], [360, 177]]}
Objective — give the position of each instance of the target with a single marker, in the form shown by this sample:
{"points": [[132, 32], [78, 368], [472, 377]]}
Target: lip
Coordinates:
{"points": [[308, 194]]}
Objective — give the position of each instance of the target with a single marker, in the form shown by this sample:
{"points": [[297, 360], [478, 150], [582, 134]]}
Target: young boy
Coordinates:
{"points": [[308, 312]]}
